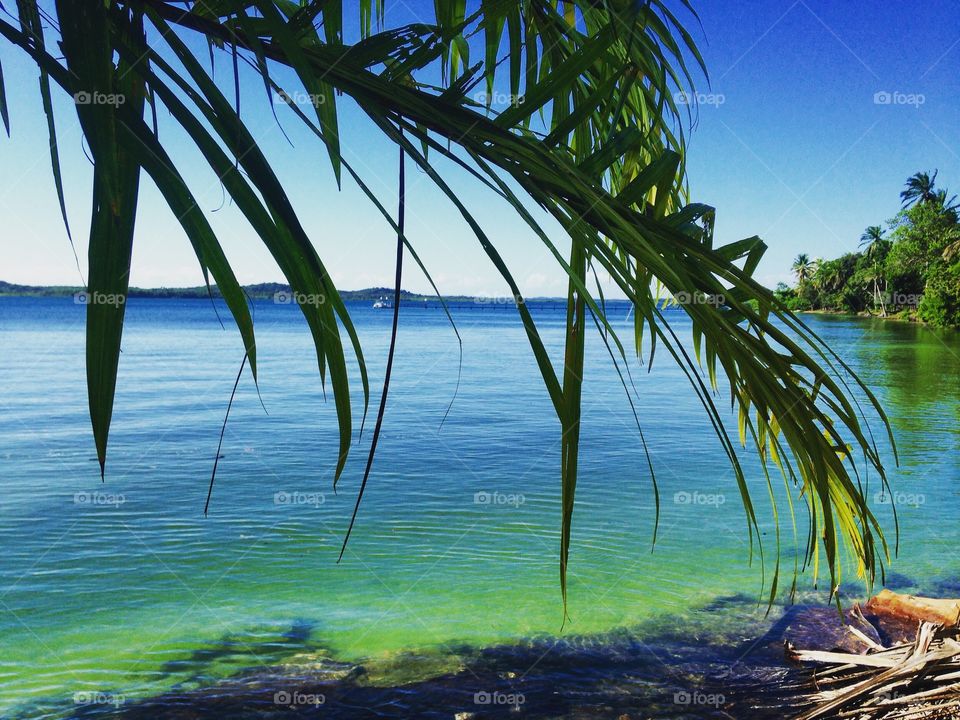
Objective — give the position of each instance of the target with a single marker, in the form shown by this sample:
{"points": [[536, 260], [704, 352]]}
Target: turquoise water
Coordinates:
{"points": [[124, 588]]}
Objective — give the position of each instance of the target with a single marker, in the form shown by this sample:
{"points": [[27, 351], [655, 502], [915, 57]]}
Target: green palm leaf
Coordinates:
{"points": [[597, 143]]}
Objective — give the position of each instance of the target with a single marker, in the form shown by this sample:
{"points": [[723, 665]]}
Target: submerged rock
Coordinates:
{"points": [[825, 628], [818, 627]]}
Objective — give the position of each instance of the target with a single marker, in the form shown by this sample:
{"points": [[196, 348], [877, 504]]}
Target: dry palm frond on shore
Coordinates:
{"points": [[918, 680]]}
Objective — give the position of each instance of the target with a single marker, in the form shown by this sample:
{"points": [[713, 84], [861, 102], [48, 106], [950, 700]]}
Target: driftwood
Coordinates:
{"points": [[917, 680], [913, 607]]}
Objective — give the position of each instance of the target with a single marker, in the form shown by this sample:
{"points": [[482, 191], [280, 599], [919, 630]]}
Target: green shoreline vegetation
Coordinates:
{"points": [[909, 269]]}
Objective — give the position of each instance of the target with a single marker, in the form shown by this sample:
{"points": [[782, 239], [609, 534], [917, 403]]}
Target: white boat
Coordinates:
{"points": [[383, 303]]}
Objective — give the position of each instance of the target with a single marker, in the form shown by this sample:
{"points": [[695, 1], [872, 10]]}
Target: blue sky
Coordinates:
{"points": [[790, 144]]}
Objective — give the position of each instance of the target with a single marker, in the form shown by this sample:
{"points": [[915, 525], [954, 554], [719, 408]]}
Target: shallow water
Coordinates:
{"points": [[124, 589]]}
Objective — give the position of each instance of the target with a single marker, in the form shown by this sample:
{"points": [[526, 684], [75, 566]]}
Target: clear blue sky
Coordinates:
{"points": [[794, 148]]}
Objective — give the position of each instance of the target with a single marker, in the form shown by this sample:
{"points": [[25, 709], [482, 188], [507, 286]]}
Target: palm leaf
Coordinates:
{"points": [[33, 27], [597, 145], [4, 111]]}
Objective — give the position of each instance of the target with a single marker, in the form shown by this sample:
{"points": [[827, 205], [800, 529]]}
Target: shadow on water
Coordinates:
{"points": [[231, 649], [717, 668]]}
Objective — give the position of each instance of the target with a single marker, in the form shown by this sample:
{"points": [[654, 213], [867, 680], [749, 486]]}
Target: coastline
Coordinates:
{"points": [[900, 317], [704, 668], [726, 661]]}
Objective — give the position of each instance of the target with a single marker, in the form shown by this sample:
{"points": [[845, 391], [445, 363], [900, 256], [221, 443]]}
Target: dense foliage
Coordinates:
{"points": [[910, 269]]}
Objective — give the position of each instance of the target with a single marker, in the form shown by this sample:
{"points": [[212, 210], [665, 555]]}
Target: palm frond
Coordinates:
{"points": [[592, 135]]}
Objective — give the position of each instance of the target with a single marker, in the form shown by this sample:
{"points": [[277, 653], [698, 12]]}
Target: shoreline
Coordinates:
{"points": [[899, 317], [623, 674], [725, 661]]}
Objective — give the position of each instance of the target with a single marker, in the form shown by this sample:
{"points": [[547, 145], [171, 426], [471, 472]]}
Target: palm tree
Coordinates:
{"points": [[829, 275], [594, 143], [803, 268], [948, 206], [874, 243], [871, 239], [920, 187]]}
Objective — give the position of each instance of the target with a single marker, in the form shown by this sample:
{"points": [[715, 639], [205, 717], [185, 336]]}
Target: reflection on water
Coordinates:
{"points": [[915, 371], [918, 370]]}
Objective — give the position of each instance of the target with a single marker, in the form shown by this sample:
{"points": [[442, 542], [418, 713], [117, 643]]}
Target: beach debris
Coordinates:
{"points": [[941, 611], [915, 680]]}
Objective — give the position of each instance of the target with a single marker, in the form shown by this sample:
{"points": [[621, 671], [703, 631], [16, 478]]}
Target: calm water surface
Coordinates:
{"points": [[125, 589]]}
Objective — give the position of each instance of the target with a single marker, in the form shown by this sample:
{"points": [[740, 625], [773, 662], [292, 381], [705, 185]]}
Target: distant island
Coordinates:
{"points": [[259, 291]]}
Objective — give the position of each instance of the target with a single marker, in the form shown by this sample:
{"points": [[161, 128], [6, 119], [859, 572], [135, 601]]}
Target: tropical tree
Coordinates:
{"points": [[920, 187], [875, 246], [913, 268], [803, 268], [826, 276], [871, 240], [947, 205], [922, 260], [593, 137]]}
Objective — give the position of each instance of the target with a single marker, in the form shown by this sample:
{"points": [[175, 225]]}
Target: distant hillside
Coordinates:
{"points": [[260, 291]]}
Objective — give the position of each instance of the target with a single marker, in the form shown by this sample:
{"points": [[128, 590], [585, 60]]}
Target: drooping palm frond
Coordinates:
{"points": [[595, 143]]}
